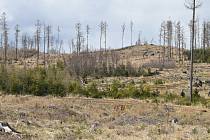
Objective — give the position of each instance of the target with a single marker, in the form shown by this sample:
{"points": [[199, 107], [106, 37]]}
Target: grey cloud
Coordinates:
{"points": [[146, 14]]}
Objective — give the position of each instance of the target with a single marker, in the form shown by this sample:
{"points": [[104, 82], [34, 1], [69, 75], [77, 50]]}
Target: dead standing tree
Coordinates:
{"points": [[5, 36], [101, 37], [103, 28], [44, 45], [17, 30], [205, 38], [192, 5], [163, 41], [101, 34], [105, 45], [38, 32], [178, 39], [169, 27], [139, 38], [183, 44], [105, 33], [204, 41], [198, 34], [58, 40], [87, 37], [104, 52], [131, 27], [208, 35], [78, 38], [48, 36], [24, 43]]}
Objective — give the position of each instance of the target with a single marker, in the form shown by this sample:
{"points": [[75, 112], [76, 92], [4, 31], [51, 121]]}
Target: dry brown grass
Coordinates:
{"points": [[81, 118]]}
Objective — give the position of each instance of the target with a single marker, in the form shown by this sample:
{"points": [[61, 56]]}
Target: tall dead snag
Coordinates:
{"points": [[24, 43], [123, 34], [1, 43], [169, 27], [58, 39], [131, 27], [205, 38], [103, 59], [101, 33], [60, 48], [35, 41], [4, 36], [195, 34], [105, 45], [17, 30], [208, 34], [78, 38], [38, 32], [48, 32], [139, 38], [192, 5], [204, 41], [87, 37], [178, 40], [163, 38], [44, 43], [105, 33], [198, 34], [183, 44], [73, 46]]}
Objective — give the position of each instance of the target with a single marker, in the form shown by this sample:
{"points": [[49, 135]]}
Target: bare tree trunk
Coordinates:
{"points": [[79, 35], [204, 41], [16, 41], [192, 50], [131, 26], [169, 38], [5, 36], [44, 46], [5, 46], [48, 44], [38, 30], [105, 32], [58, 39], [192, 6], [24, 42], [87, 31]]}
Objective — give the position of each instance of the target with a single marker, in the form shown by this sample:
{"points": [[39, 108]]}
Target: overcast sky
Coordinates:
{"points": [[147, 16]]}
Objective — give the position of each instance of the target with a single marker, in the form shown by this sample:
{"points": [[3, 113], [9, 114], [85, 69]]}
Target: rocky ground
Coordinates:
{"points": [[81, 118]]}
